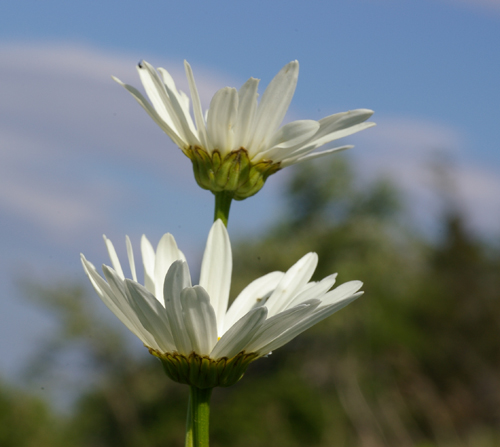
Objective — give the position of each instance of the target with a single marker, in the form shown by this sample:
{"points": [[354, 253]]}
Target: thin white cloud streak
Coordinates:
{"points": [[79, 156], [64, 123], [26, 194], [409, 150]]}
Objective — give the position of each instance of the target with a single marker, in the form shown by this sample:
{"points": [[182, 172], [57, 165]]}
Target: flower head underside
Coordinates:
{"points": [[191, 329], [239, 143]]}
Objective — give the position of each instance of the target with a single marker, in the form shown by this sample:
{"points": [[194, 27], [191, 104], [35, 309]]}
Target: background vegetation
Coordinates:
{"points": [[414, 362]]}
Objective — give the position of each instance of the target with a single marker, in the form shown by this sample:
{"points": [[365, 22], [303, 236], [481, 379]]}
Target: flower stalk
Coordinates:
{"points": [[198, 413], [222, 205], [189, 424], [197, 428]]}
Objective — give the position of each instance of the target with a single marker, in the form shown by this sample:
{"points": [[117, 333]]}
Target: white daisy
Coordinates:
{"points": [[191, 330], [239, 142]]}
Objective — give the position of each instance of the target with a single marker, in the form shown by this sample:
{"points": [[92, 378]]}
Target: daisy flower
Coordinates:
{"points": [[238, 143], [199, 340]]}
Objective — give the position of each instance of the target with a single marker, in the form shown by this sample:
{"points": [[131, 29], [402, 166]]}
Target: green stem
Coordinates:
{"points": [[189, 423], [199, 406], [222, 205]]}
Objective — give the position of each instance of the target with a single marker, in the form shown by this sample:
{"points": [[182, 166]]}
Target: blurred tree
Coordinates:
{"points": [[130, 401], [416, 359], [414, 362], [27, 421]]}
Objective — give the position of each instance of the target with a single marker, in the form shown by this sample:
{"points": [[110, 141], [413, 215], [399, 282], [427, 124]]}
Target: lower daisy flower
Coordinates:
{"points": [[199, 340]]}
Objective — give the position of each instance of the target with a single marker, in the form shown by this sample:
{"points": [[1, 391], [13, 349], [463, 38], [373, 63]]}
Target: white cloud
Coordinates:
{"points": [[410, 150], [480, 190], [70, 138]]}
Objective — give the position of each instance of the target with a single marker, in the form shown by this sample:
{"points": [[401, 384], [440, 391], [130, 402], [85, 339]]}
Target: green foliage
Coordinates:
{"points": [[414, 362], [27, 421]]}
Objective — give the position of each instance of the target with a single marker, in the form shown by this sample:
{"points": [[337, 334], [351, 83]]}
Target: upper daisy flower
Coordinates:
{"points": [[191, 330], [239, 142]]}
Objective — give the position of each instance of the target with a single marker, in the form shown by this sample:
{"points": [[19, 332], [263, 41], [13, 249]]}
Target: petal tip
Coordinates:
{"points": [[293, 65], [219, 223], [117, 80]]}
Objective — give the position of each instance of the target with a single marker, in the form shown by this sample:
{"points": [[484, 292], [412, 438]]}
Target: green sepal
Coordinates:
{"points": [[234, 174], [256, 178], [202, 371], [224, 176], [202, 166], [216, 161]]}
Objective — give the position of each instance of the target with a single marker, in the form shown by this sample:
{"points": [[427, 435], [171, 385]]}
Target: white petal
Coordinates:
{"points": [[332, 127], [116, 283], [198, 113], [182, 257], [152, 315], [148, 260], [166, 253], [199, 319], [294, 133], [341, 133], [274, 104], [290, 135], [160, 98], [216, 268], [239, 334], [306, 323], [119, 292], [169, 129], [278, 324], [176, 280], [343, 120], [157, 94], [340, 293], [222, 116], [113, 257], [247, 107], [180, 108], [181, 97], [184, 102], [295, 278], [252, 296], [301, 157], [119, 305], [313, 291], [131, 261]]}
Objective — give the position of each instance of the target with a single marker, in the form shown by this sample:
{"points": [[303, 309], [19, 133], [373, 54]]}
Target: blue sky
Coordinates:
{"points": [[78, 157]]}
